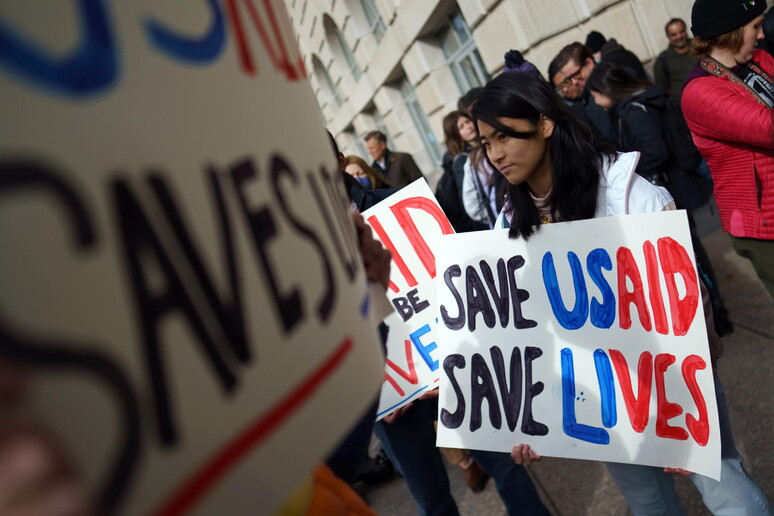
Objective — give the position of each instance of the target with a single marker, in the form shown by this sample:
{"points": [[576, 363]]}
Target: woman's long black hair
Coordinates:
{"points": [[576, 158], [613, 81]]}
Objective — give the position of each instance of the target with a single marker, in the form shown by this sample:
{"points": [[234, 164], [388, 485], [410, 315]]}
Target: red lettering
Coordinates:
{"points": [[410, 375], [666, 410], [699, 428], [654, 289], [279, 57], [627, 268], [636, 407], [400, 210], [391, 380], [396, 257], [675, 260]]}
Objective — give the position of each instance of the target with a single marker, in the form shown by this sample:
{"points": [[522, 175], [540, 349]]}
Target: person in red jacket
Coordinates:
{"points": [[727, 102]]}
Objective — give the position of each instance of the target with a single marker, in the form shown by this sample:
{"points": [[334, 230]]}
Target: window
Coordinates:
{"points": [[420, 120], [461, 54], [340, 47], [375, 22], [325, 79]]}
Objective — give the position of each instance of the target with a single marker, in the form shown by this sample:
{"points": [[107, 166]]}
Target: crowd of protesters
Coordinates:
{"points": [[595, 137], [704, 126]]}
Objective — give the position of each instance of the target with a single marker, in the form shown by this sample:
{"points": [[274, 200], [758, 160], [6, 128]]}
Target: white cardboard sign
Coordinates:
{"points": [[588, 341], [180, 272], [409, 224]]}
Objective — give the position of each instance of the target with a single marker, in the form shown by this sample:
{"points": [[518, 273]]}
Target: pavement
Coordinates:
{"points": [[579, 487]]}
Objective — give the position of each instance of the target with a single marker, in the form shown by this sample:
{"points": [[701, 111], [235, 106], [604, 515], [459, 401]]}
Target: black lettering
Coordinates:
{"points": [[518, 295], [280, 167], [61, 355], [449, 419], [478, 301], [140, 245], [511, 396], [289, 305], [501, 298], [228, 312], [334, 186], [453, 323], [482, 388], [528, 424], [416, 303], [403, 307], [348, 261]]}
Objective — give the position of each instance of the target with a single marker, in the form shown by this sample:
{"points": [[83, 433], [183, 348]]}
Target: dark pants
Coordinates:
{"points": [[410, 444]]}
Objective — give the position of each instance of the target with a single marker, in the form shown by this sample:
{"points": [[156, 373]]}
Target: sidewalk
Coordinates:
{"points": [[578, 488]]}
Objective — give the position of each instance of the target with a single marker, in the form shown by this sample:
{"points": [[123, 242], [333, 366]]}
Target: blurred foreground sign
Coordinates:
{"points": [[180, 273], [588, 341]]}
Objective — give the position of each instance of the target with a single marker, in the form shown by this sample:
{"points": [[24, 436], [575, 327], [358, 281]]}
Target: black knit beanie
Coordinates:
{"points": [[595, 41], [711, 18]]}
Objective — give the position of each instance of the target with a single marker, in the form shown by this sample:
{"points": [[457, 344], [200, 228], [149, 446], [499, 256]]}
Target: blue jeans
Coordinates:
{"points": [[651, 492], [512, 482], [410, 444]]}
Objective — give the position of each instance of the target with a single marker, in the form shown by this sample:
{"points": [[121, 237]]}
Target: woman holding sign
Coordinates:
{"points": [[557, 172]]}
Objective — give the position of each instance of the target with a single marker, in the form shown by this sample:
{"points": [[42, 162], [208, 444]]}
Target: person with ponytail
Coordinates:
{"points": [[557, 172]]}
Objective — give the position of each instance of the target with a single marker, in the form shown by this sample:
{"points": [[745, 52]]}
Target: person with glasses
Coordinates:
{"points": [[568, 73]]}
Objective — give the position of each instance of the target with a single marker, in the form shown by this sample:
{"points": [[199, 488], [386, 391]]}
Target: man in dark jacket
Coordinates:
{"points": [[568, 73], [397, 168], [674, 64]]}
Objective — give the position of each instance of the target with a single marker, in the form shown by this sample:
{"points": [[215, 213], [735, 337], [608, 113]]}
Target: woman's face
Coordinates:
{"points": [[752, 32], [602, 100], [466, 129], [355, 170], [520, 159]]}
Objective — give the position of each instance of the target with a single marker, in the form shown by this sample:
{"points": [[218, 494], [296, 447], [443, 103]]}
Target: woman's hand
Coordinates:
{"points": [[523, 455], [678, 471], [376, 258], [399, 412], [429, 394]]}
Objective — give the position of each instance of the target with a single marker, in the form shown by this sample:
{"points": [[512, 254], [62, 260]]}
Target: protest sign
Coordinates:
{"points": [[587, 341], [180, 278], [409, 224]]}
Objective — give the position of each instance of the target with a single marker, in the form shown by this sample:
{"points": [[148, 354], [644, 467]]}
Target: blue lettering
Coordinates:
{"points": [[424, 350], [570, 320], [186, 48], [570, 425], [88, 70], [602, 314], [606, 388]]}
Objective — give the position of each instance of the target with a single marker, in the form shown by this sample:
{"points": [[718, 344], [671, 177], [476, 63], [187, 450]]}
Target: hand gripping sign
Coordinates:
{"points": [[588, 341], [180, 280], [409, 223]]}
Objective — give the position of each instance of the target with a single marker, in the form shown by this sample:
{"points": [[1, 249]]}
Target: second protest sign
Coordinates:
{"points": [[588, 341]]}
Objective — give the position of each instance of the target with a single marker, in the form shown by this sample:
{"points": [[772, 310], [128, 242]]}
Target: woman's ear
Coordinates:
{"points": [[546, 126]]}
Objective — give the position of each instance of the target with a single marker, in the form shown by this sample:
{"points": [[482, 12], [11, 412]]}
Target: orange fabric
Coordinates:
{"points": [[331, 496]]}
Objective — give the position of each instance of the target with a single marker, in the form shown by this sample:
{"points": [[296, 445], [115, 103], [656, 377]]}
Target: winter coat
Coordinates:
{"points": [[735, 134], [621, 191], [614, 52], [448, 192], [401, 169], [639, 129]]}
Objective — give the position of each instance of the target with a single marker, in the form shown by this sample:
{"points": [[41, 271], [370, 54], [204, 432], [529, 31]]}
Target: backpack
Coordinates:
{"points": [[689, 190], [449, 196], [683, 154]]}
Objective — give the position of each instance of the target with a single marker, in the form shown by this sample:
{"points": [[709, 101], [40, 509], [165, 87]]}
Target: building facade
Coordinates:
{"points": [[401, 65]]}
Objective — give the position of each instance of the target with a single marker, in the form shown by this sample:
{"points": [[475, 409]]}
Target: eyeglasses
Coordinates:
{"points": [[567, 82]]}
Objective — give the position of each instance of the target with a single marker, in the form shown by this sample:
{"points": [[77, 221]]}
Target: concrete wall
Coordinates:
{"points": [[538, 29]]}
